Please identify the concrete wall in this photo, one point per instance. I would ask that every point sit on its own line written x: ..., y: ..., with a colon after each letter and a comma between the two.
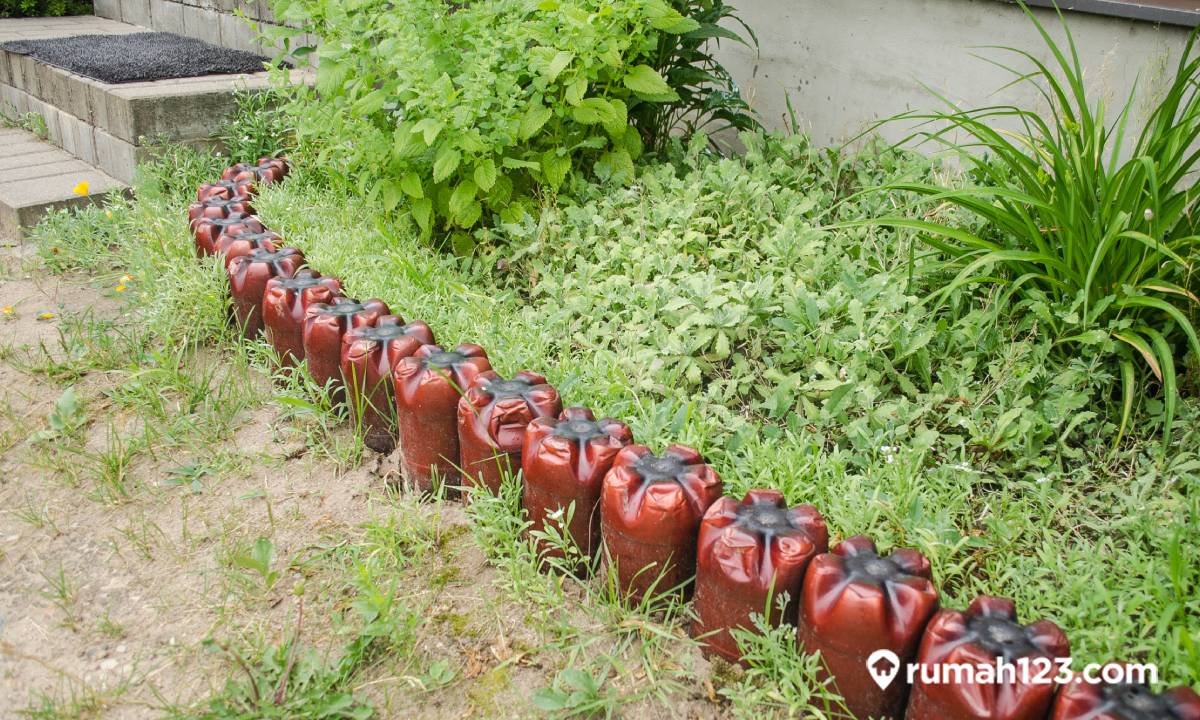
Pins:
x: 213, y: 21
x: 846, y: 63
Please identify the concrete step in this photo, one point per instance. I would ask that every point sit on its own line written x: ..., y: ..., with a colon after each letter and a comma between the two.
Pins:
x: 36, y: 177
x: 112, y: 126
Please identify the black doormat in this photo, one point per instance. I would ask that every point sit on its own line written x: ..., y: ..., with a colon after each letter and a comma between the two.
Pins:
x: 137, y: 57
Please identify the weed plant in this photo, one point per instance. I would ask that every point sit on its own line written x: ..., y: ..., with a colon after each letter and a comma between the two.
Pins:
x: 1088, y: 229
x: 463, y: 113
x: 713, y: 304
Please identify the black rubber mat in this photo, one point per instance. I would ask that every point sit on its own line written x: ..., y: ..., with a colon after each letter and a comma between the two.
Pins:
x: 137, y: 57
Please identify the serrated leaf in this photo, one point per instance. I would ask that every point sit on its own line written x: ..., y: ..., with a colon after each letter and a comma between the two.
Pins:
x: 445, y: 163
x: 370, y: 103
x: 411, y: 185
x: 534, y: 118
x: 485, y: 174
x: 615, y: 166
x: 422, y: 211
x: 389, y: 193
x: 407, y: 141
x: 673, y: 22
x: 632, y: 141
x: 559, y: 63
x: 593, y: 111
x: 469, y: 214
x: 647, y: 83
x: 429, y: 128
x: 462, y: 196
x: 618, y: 122
x: 555, y: 168
x: 513, y: 163
x: 576, y: 91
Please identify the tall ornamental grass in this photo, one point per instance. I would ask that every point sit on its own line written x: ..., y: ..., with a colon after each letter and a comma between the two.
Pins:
x: 1091, y: 229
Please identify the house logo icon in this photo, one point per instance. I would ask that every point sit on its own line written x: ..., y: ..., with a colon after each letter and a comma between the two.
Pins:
x: 883, y: 666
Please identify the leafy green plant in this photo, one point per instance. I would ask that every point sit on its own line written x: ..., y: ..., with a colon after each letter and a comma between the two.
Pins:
x: 65, y: 420
x: 462, y: 113
x: 1091, y: 235
x: 261, y: 127
x: 576, y: 693
x: 285, y: 681
x: 709, y: 98
x: 259, y: 560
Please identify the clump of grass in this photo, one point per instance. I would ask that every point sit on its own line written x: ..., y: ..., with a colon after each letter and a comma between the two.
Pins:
x: 779, y: 678
x: 1092, y: 237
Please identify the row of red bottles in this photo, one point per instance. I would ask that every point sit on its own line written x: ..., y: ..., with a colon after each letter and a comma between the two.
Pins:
x: 662, y: 519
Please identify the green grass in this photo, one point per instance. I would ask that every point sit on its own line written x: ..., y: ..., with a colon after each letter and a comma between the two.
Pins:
x: 818, y: 372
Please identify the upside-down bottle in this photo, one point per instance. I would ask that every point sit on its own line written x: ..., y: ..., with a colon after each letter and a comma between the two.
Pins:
x: 1083, y: 699
x: 748, y: 554
x: 218, y: 207
x: 241, y: 240
x: 650, y: 512
x: 369, y: 356
x: 428, y: 386
x: 987, y: 634
x: 285, y: 304
x: 248, y: 277
x: 266, y: 171
x: 564, y: 461
x: 492, y: 418
x: 206, y: 230
x: 227, y: 189
x: 855, y: 602
x: 324, y: 326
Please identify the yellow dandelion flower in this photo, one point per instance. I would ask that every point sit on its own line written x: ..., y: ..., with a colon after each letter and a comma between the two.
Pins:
x: 7, y: 309
x: 46, y: 316
x: 120, y: 288
x: 83, y: 188
x: 108, y: 214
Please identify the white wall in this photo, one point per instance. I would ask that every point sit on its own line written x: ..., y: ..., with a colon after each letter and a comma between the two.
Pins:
x: 845, y: 63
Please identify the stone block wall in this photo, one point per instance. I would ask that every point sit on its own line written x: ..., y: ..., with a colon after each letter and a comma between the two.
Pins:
x: 214, y: 21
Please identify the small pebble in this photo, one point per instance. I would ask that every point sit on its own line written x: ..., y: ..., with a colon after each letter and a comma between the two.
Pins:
x: 108, y: 664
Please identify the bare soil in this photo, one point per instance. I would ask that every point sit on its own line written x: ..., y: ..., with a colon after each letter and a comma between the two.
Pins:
x: 106, y: 603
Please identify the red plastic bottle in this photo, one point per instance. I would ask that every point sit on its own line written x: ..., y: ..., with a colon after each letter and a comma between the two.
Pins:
x: 227, y: 189
x: 1082, y: 700
x: 856, y: 602
x: 650, y: 513
x: 219, y: 208
x: 248, y: 277
x: 492, y: 418
x: 987, y: 631
x: 748, y: 554
x: 369, y: 356
x: 206, y: 230
x: 242, y: 240
x: 564, y: 460
x: 266, y: 171
x: 428, y: 386
x: 324, y: 326
x: 285, y: 304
